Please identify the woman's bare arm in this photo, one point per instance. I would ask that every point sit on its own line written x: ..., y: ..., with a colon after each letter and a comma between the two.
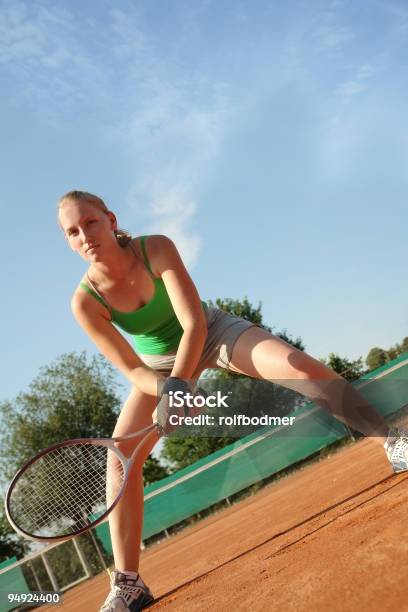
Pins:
x: 166, y: 262
x: 94, y: 319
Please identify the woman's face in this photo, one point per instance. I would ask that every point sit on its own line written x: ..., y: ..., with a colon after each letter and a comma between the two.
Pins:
x: 88, y: 230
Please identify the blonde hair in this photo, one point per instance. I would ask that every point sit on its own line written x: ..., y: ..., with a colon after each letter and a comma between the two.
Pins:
x: 122, y: 236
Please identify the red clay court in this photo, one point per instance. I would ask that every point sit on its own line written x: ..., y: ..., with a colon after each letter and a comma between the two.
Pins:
x: 332, y: 536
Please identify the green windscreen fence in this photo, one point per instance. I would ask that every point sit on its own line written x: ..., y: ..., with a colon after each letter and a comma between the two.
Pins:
x: 261, y: 454
x: 12, y: 581
x: 232, y: 469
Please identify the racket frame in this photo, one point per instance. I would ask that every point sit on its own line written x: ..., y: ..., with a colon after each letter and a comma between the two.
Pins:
x: 109, y: 443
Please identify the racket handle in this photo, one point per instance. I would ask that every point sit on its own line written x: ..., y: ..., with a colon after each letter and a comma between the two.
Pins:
x: 164, y: 411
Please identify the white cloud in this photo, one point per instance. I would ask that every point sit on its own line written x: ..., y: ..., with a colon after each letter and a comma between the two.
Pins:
x: 131, y: 41
x: 398, y: 13
x: 330, y: 31
x: 172, y: 123
x: 346, y: 128
x: 175, y: 126
x: 350, y: 88
x: 365, y: 71
x: 335, y: 4
x: 172, y: 212
x: 25, y: 36
x: 177, y: 144
x: 43, y: 55
x: 359, y: 83
x: 334, y: 37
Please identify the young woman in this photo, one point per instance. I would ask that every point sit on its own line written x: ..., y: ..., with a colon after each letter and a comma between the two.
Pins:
x: 142, y: 286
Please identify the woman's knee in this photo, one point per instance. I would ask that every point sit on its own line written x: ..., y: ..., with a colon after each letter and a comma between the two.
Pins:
x: 141, y: 446
x: 136, y: 395
x: 136, y: 413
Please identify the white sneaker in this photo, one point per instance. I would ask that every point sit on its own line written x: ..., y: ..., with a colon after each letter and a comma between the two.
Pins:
x: 396, y: 448
x: 127, y: 594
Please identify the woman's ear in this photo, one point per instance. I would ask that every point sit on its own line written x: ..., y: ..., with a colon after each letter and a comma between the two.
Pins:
x: 113, y: 221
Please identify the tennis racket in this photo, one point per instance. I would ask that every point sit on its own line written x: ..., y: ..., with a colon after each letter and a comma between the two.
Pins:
x: 71, y: 486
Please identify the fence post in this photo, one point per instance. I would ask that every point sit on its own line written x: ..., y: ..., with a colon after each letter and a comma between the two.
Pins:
x: 50, y: 573
x: 82, y: 558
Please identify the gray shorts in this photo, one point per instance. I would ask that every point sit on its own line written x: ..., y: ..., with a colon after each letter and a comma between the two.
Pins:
x: 223, y: 331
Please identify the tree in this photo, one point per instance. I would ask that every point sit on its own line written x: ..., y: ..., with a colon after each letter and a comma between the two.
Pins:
x: 397, y: 349
x: 245, y: 310
x: 393, y: 352
x: 297, y: 343
x: 350, y: 370
x: 153, y: 470
x: 376, y: 358
x: 71, y: 398
x: 182, y: 451
x: 241, y: 308
x: 10, y: 544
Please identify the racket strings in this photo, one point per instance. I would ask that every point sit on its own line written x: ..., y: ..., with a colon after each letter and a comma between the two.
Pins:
x: 65, y: 489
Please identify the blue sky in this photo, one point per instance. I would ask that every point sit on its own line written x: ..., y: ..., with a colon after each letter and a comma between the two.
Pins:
x: 268, y: 139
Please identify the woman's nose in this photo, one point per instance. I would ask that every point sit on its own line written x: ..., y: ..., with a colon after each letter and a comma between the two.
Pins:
x: 84, y: 234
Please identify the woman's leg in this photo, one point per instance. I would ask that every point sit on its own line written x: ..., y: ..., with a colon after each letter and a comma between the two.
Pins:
x: 259, y: 354
x: 126, y: 520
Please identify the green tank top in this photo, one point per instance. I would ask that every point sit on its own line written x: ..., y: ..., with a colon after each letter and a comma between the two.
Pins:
x: 154, y: 327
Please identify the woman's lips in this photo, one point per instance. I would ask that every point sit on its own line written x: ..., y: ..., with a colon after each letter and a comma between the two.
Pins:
x: 92, y: 248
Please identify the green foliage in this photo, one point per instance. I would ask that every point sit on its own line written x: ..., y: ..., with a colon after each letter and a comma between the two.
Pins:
x: 241, y: 308
x: 10, y: 544
x: 297, y: 342
x: 181, y: 452
x: 394, y: 351
x: 153, y: 470
x: 71, y: 398
x: 378, y: 357
x: 245, y: 310
x: 350, y: 370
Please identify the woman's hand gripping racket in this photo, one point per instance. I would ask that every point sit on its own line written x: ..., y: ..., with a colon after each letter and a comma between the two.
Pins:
x: 71, y: 486
x: 184, y: 405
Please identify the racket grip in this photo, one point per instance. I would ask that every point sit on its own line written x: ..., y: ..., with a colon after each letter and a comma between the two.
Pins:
x: 173, y: 383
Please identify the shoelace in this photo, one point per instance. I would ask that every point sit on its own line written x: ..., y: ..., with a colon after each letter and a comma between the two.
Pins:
x: 113, y: 593
x: 396, y: 450
x: 121, y: 590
